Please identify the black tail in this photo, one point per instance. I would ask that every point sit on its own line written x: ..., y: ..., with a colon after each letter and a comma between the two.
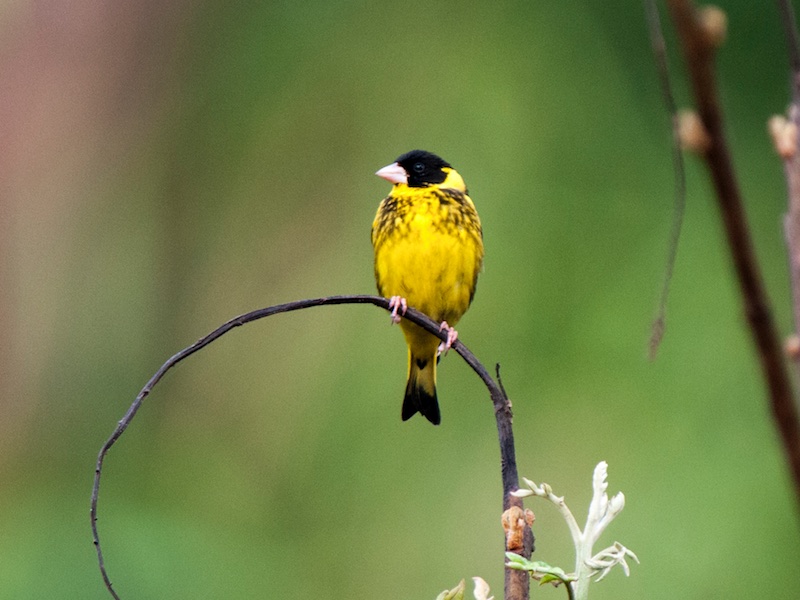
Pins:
x: 419, y: 400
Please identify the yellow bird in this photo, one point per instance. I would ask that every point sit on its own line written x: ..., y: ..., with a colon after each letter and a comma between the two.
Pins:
x: 428, y: 252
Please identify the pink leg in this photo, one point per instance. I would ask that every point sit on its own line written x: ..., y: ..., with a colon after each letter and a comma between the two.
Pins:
x: 452, y: 336
x: 397, y: 304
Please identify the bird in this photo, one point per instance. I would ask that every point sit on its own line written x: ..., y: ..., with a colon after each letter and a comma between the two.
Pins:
x: 428, y: 245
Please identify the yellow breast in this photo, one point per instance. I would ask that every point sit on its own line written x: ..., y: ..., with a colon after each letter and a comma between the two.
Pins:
x: 429, y: 248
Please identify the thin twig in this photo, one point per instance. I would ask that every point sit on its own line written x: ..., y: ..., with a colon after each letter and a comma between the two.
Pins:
x: 516, y: 582
x: 698, y: 48
x: 679, y: 203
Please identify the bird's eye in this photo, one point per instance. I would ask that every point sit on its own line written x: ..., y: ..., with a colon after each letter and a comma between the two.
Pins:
x: 418, y: 168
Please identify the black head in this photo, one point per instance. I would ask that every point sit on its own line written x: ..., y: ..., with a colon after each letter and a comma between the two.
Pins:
x: 423, y: 168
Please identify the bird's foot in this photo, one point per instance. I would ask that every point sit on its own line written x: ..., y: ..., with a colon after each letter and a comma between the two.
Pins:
x: 399, y: 305
x: 452, y: 336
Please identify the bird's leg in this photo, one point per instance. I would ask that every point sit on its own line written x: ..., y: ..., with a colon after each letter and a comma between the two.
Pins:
x: 397, y: 304
x: 452, y: 336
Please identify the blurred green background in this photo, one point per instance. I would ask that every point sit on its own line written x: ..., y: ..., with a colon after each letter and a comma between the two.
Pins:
x: 166, y: 166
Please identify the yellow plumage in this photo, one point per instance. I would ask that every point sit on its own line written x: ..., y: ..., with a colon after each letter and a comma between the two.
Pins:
x: 428, y: 251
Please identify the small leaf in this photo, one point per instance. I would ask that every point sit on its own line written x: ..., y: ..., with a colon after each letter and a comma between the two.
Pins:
x: 516, y: 558
x: 457, y: 593
x: 549, y: 574
x: 602, y: 562
x: 550, y: 578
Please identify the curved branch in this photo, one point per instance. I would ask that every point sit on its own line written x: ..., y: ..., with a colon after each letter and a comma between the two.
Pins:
x: 517, y: 582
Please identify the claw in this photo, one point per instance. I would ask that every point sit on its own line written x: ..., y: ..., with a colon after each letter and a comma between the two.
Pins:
x: 397, y: 304
x: 452, y: 336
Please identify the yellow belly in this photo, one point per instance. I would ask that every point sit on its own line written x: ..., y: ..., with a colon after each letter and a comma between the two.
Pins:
x: 429, y: 250
x: 435, y: 272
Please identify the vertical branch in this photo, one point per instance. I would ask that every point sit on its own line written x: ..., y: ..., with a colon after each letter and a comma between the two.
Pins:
x: 517, y: 583
x: 792, y: 42
x: 699, y: 39
x: 785, y: 137
x: 786, y: 131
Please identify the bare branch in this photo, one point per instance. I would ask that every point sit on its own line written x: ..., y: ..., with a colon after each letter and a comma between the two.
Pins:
x: 785, y: 134
x: 792, y: 42
x: 516, y: 583
x: 699, y: 36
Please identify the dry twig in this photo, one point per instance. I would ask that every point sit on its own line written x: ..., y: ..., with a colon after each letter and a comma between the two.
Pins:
x: 679, y: 203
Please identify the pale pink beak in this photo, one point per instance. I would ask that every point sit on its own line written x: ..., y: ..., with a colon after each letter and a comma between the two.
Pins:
x: 393, y: 173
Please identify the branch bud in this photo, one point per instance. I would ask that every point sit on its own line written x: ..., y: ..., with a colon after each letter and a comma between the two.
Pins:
x: 792, y: 347
x: 784, y: 136
x: 714, y: 23
x: 481, y: 589
x: 692, y: 133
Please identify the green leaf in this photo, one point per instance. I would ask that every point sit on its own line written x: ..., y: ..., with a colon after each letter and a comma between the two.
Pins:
x: 539, y: 570
x: 457, y: 593
x: 516, y: 558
